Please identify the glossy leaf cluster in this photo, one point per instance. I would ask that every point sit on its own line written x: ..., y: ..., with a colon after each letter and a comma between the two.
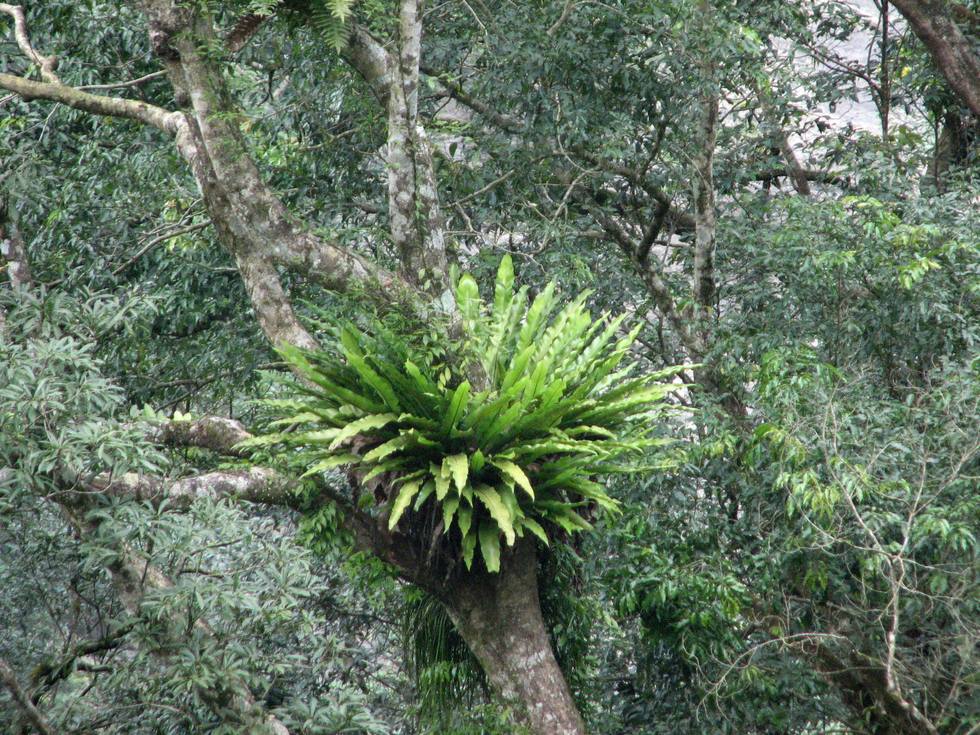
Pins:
x: 559, y: 406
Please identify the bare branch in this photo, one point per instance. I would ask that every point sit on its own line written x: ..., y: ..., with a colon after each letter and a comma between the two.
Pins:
x: 253, y: 485
x: 49, y: 673
x: 566, y: 11
x: 798, y: 175
x: 506, y: 123
x: 131, y: 83
x: 653, y: 278
x: 217, y: 433
x: 158, y: 117
x: 53, y: 90
x: 23, y: 702
x: 704, y: 205
x: 46, y: 64
x: 156, y: 241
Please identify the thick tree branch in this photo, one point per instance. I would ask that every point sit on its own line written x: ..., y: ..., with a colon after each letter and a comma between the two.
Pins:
x: 368, y: 57
x: 46, y: 64
x: 49, y: 673
x: 949, y: 47
x: 158, y: 117
x: 23, y: 702
x: 216, y: 433
x: 253, y: 485
x: 416, y: 222
x: 54, y: 90
x: 250, y: 220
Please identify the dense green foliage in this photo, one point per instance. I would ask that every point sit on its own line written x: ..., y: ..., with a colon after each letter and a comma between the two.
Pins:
x: 814, y: 533
x: 521, y: 454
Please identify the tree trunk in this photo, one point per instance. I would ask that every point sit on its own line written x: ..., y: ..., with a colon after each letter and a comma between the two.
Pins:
x: 499, y: 617
x: 949, y: 46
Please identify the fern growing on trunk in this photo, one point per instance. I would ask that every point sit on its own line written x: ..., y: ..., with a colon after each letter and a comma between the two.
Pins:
x: 559, y: 405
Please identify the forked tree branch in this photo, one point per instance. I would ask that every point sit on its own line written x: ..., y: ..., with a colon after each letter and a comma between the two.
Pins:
x: 23, y: 702
x: 46, y: 64
x: 157, y: 117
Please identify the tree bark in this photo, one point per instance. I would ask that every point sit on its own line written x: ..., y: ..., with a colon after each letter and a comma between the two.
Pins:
x: 499, y: 617
x: 949, y: 47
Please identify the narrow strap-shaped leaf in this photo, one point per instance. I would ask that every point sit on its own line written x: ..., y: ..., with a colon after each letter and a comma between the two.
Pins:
x: 357, y: 360
x: 405, y: 495
x: 498, y: 510
x: 534, y: 527
x: 490, y: 546
x: 296, y: 358
x: 542, y: 305
x: 457, y: 406
x: 423, y: 495
x: 459, y: 468
x: 375, y: 421
x: 504, y: 286
x: 464, y: 518
x: 517, y: 369
x: 442, y: 480
x: 515, y: 473
x: 389, y: 447
x: 468, y: 547
x: 468, y: 299
x: 448, y: 511
x: 389, y: 465
x: 425, y: 384
x: 330, y: 463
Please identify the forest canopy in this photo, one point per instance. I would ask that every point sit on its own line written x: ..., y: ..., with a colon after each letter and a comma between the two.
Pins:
x: 554, y: 367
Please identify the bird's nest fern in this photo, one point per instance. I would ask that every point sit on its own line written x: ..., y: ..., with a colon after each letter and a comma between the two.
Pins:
x: 559, y: 405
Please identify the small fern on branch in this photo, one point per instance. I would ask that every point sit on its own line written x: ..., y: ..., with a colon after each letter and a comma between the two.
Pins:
x: 329, y: 19
x: 560, y: 406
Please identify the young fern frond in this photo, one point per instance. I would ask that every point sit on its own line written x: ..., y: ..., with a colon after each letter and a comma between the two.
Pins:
x: 561, y: 407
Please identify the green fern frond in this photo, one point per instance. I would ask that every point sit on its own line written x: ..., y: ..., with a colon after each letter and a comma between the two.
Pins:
x: 329, y: 19
x: 561, y: 408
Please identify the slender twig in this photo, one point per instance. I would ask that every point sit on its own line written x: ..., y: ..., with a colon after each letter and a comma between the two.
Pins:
x: 130, y: 83
x: 156, y: 241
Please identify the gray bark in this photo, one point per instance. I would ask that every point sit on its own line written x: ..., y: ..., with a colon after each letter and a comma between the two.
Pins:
x: 499, y: 617
x: 30, y: 713
x: 949, y: 46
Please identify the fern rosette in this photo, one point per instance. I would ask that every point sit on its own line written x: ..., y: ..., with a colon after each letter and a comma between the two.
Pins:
x: 559, y: 406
